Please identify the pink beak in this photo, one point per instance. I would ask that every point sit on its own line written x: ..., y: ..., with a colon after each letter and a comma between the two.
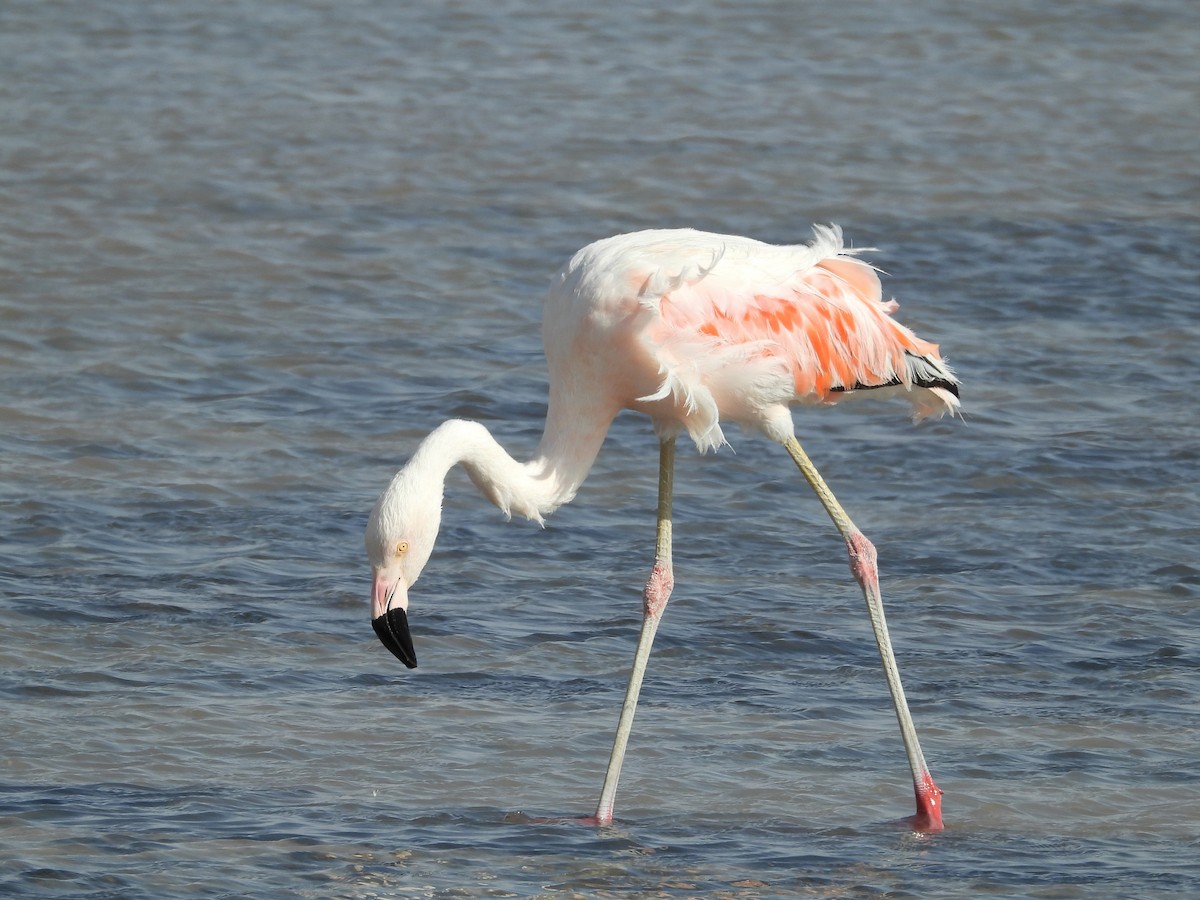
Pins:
x: 389, y: 600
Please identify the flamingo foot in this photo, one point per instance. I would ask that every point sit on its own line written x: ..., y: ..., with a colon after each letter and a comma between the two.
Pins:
x: 928, y: 818
x: 593, y: 821
x: 587, y: 821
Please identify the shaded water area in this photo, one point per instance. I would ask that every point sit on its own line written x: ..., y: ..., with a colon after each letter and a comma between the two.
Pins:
x: 250, y: 253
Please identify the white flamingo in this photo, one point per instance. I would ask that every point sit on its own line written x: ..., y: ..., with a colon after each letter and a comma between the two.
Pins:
x: 689, y: 328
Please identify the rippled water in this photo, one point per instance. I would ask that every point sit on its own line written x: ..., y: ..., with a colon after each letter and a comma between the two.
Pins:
x: 251, y: 252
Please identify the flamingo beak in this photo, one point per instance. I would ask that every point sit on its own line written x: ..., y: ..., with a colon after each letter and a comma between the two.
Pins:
x: 390, y: 620
x: 392, y: 629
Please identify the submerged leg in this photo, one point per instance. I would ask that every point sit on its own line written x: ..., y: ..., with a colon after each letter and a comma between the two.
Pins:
x: 862, y: 563
x: 654, y: 601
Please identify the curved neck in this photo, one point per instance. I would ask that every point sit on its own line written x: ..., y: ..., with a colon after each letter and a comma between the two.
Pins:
x: 533, y: 489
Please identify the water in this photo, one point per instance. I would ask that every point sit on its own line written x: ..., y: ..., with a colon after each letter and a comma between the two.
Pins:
x: 251, y: 252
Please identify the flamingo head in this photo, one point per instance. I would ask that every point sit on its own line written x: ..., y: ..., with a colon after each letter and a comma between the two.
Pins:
x: 400, y: 536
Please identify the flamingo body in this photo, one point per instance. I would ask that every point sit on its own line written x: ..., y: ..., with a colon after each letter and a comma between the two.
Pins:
x: 689, y: 328
x: 692, y: 328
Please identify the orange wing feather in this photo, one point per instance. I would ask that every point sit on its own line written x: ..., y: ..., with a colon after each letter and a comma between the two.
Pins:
x: 827, y: 323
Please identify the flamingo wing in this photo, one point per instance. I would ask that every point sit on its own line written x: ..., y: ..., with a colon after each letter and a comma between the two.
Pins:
x: 740, y: 329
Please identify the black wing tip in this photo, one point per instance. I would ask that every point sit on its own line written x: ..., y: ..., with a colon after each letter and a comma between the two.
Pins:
x: 950, y: 386
x: 918, y: 378
x: 930, y: 373
x: 945, y: 385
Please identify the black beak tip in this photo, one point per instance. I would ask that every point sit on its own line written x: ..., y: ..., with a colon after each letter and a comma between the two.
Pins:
x: 392, y: 630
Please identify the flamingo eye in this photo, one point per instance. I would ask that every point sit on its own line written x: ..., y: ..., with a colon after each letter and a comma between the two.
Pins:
x: 402, y: 548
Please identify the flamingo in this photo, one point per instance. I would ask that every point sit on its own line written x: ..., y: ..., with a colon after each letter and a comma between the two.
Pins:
x: 690, y: 328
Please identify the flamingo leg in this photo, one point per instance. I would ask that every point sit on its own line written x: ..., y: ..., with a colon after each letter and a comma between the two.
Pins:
x: 928, y: 817
x: 654, y: 601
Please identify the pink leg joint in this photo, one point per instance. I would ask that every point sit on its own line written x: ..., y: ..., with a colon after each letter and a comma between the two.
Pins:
x: 658, y: 590
x: 862, y: 559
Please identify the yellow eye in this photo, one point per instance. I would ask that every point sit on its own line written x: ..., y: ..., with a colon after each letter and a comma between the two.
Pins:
x: 402, y: 548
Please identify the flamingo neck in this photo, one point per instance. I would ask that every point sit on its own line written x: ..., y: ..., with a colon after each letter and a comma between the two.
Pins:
x: 532, y: 489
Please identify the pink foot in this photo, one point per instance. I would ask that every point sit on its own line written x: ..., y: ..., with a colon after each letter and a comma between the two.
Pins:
x: 588, y: 821
x: 593, y: 821
x: 928, y: 818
